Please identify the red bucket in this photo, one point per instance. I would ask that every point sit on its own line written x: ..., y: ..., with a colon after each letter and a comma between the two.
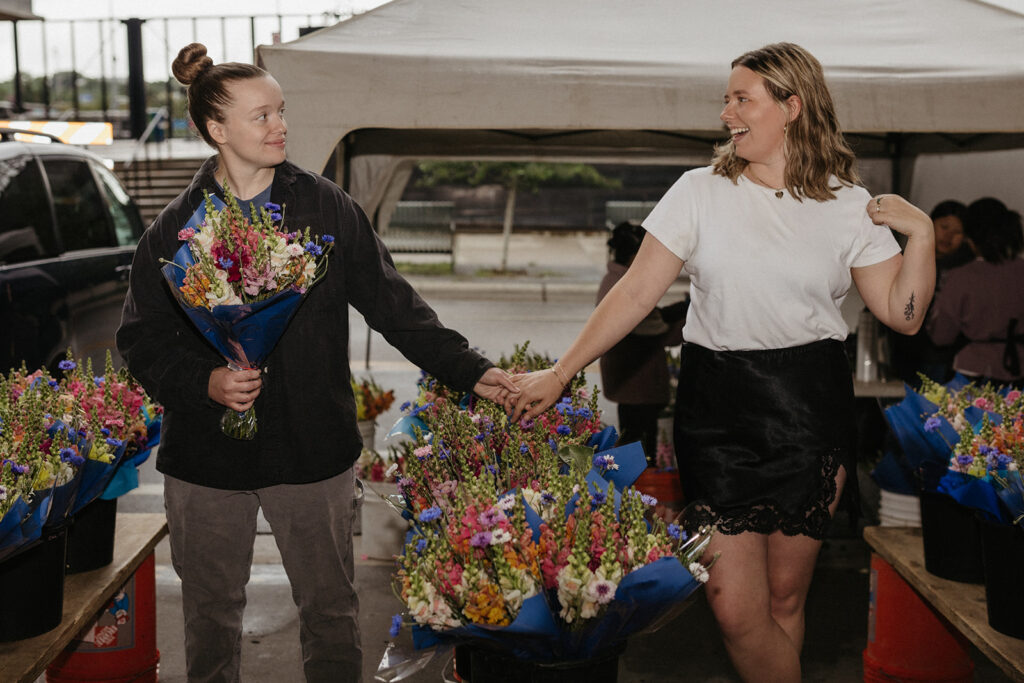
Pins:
x: 120, y: 646
x: 907, y: 641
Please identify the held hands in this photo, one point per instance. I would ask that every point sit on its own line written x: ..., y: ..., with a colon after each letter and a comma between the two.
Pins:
x: 235, y: 389
x: 495, y: 385
x: 900, y: 215
x: 538, y: 391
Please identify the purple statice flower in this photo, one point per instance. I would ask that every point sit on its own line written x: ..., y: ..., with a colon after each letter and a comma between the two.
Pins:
x: 405, y: 406
x: 490, y: 517
x: 675, y: 531
x: 421, y: 545
x: 606, y: 462
x: 600, y: 497
x: 67, y: 365
x: 650, y: 501
x: 564, y: 430
x: 480, y: 437
x: 480, y: 539
x: 54, y: 384
x: 328, y: 239
x: 271, y: 206
x: 98, y: 381
x: 116, y: 443
x: 314, y: 248
x: 554, y: 446
x: 443, y: 454
x: 965, y: 460
x: 985, y: 449
x: 932, y: 423
x: 547, y: 498
x: 493, y: 469
x: 396, y: 625
x: 275, y: 216
x: 523, y: 448
x: 584, y: 412
x: 419, y: 409
x: 404, y: 484
x: 104, y: 431
x: 430, y: 514
x: 224, y: 262
x: 526, y: 424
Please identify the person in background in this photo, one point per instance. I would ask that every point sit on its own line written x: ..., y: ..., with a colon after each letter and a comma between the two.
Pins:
x: 980, y: 306
x: 298, y: 468
x: 634, y: 372
x: 771, y: 235
x: 918, y: 353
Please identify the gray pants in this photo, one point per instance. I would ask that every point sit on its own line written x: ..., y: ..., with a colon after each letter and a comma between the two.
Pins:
x: 212, y: 532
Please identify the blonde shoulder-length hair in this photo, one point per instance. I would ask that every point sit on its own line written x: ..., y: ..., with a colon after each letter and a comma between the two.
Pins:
x: 814, y: 145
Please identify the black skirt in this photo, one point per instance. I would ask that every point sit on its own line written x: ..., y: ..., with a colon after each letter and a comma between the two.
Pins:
x: 760, y: 436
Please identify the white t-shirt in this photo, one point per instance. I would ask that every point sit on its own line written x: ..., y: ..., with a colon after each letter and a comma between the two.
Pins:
x: 765, y: 273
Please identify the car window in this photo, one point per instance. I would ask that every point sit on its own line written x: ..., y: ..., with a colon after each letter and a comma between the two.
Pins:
x: 26, y: 226
x: 127, y: 223
x: 82, y: 219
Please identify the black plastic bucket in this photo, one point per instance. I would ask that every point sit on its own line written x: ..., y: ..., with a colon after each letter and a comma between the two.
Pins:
x: 952, y: 541
x: 91, y: 536
x: 33, y: 581
x: 1003, y: 552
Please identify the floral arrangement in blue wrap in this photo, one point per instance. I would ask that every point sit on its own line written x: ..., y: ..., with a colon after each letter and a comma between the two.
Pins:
x: 62, y: 443
x: 240, y: 280
x: 978, y: 432
x: 529, y: 536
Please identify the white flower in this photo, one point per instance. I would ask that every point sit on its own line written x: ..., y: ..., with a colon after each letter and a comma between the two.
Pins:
x: 294, y: 250
x: 499, y: 536
x: 699, y: 572
x: 507, y: 502
x: 600, y: 591
x: 390, y: 472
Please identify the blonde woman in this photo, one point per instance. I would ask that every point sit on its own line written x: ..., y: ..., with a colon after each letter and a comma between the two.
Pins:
x: 771, y: 235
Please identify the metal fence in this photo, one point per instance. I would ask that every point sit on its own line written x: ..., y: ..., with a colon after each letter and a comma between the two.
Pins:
x: 71, y: 54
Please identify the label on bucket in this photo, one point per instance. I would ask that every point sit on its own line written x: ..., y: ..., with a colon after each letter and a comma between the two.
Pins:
x: 114, y: 628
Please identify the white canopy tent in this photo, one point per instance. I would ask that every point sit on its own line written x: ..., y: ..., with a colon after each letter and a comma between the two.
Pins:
x: 609, y: 80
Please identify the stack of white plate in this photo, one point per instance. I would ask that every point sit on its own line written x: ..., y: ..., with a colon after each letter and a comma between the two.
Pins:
x: 899, y: 509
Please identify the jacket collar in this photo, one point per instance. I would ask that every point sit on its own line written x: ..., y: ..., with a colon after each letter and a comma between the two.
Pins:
x: 286, y: 174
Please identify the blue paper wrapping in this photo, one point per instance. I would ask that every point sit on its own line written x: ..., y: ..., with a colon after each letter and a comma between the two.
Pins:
x: 23, y: 524
x: 975, y: 493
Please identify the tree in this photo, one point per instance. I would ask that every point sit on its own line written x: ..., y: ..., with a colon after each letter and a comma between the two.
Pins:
x: 513, y: 176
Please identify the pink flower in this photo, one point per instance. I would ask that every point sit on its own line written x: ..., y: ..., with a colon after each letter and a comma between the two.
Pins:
x: 185, y: 234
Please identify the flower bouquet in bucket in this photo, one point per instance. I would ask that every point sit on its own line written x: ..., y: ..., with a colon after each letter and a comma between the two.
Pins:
x: 528, y: 540
x: 240, y: 280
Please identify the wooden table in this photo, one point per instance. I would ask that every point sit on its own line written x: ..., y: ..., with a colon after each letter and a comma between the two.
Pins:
x: 85, y: 594
x: 962, y: 604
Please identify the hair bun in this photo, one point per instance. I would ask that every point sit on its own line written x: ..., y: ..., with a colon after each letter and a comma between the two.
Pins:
x: 191, y: 63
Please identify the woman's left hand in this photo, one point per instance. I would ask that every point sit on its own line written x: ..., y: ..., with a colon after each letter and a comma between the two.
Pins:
x: 900, y: 215
x: 495, y: 385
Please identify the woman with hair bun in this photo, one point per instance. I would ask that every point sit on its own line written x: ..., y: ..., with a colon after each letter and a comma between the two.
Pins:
x: 772, y: 235
x: 980, y: 306
x: 298, y: 468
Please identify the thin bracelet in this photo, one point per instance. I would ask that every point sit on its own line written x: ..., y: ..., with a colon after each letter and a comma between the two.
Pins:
x: 560, y: 374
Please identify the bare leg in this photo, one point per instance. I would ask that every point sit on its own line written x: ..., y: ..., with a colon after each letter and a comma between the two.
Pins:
x: 757, y: 592
x: 791, y: 562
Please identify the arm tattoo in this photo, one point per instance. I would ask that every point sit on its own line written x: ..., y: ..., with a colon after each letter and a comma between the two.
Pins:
x: 908, y: 310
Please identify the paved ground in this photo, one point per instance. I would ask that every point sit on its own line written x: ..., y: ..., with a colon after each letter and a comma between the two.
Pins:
x: 494, y: 313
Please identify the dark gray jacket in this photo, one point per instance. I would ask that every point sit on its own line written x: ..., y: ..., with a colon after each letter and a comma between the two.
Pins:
x: 306, y: 411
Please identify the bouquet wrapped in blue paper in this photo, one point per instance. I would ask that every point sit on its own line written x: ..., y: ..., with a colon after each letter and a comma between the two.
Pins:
x: 62, y: 442
x: 983, y: 432
x: 528, y: 536
x: 240, y: 278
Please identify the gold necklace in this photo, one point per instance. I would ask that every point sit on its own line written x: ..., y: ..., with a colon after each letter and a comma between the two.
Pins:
x: 779, y: 193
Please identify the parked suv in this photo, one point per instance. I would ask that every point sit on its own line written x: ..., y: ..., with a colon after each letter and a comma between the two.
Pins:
x: 68, y: 231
